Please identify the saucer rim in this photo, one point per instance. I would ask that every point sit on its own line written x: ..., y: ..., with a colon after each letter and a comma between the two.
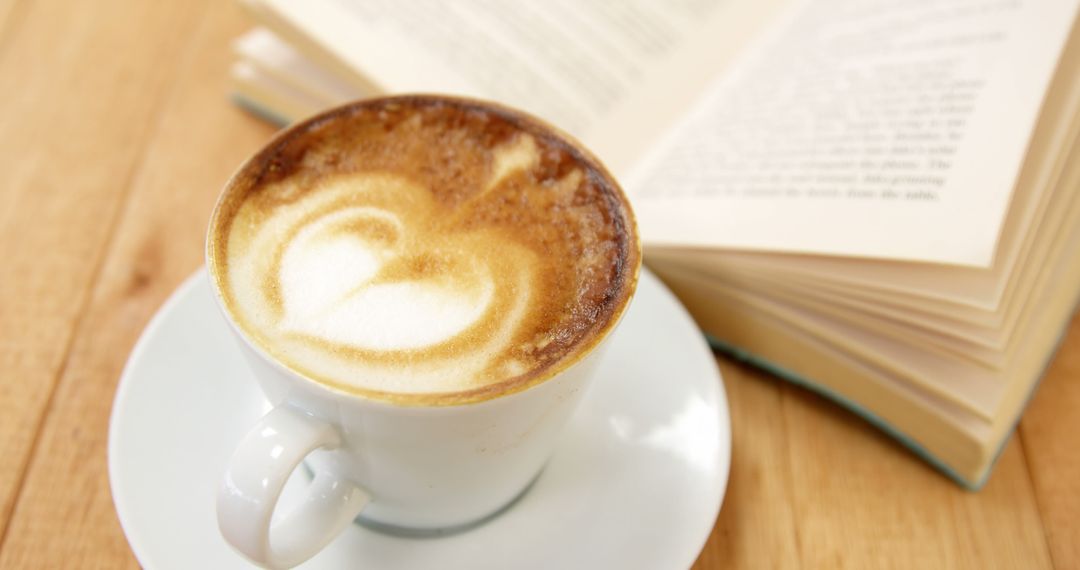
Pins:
x: 120, y: 502
x: 718, y: 396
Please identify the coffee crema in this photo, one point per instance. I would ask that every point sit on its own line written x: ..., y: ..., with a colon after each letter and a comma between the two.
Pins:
x: 425, y: 249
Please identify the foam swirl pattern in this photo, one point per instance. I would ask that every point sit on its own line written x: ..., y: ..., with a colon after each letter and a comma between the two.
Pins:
x: 423, y: 246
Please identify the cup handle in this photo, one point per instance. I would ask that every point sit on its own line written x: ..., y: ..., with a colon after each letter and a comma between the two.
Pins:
x: 257, y: 473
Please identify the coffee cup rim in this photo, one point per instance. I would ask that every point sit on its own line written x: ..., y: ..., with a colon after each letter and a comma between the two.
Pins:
x: 484, y: 393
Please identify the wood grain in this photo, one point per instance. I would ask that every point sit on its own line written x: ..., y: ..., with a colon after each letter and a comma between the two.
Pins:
x: 115, y: 136
x: 8, y: 9
x: 853, y: 481
x: 1050, y: 432
x: 757, y: 526
x: 73, y: 124
x: 198, y: 141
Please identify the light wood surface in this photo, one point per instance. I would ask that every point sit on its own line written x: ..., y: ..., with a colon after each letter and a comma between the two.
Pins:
x: 115, y: 136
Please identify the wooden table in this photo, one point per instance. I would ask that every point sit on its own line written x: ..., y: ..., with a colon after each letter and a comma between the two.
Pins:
x: 115, y: 136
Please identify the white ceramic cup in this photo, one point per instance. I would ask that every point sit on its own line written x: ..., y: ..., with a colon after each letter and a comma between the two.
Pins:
x: 415, y: 468
x: 410, y: 468
x: 406, y: 467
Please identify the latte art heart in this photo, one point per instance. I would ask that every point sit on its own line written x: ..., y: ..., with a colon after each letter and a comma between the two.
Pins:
x: 329, y: 291
x: 320, y: 268
x: 367, y: 277
x: 423, y: 247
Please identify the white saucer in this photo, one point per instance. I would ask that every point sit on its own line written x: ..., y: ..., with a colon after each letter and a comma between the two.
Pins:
x: 636, y: 483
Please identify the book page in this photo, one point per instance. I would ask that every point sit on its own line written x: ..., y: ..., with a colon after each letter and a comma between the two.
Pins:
x: 892, y: 129
x: 1043, y: 190
x: 268, y: 97
x: 614, y: 73
x: 275, y: 57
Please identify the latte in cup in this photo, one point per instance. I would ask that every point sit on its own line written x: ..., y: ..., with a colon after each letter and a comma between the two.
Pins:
x: 424, y: 250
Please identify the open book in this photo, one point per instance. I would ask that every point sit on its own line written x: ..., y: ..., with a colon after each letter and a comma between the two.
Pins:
x: 876, y: 200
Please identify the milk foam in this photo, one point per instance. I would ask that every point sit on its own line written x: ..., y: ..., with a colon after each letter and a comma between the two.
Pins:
x: 327, y: 290
x: 368, y: 280
x: 422, y: 248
